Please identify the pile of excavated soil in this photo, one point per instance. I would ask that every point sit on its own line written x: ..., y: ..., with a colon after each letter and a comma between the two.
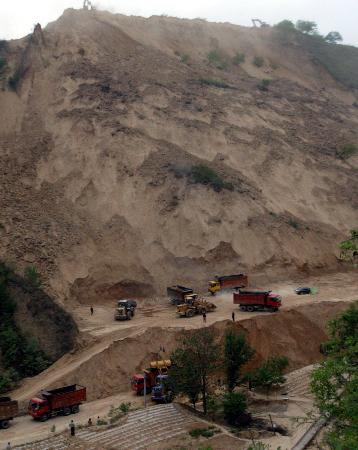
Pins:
x: 107, y: 121
x: 106, y: 368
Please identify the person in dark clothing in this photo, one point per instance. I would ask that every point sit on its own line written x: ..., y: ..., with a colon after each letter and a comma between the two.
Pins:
x: 92, y: 310
x: 72, y: 428
x: 204, y: 317
x: 233, y: 316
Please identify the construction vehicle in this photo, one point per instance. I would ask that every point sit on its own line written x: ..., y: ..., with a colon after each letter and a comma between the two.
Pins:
x: 163, y: 390
x: 8, y: 410
x: 228, y: 282
x: 260, y: 22
x: 177, y: 294
x: 62, y: 401
x: 194, y: 305
x: 125, y: 309
x: 149, y: 375
x: 257, y: 301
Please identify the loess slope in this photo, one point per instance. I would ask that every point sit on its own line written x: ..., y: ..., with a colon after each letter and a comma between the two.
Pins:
x: 105, y: 123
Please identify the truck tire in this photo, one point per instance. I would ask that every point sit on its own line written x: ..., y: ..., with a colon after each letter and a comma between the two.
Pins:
x: 75, y: 409
x: 4, y: 424
x: 242, y: 308
x: 66, y: 411
x: 190, y: 313
x: 250, y: 308
x: 44, y: 418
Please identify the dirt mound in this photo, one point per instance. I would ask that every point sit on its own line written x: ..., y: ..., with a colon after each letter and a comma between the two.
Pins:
x: 106, y: 369
x: 109, y: 118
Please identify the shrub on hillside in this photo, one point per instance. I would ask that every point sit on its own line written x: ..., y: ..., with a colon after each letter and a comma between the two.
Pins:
x: 347, y: 151
x: 235, y: 404
x: 258, y: 61
x: 217, y: 60
x: 264, y: 85
x: 238, y: 59
x: 202, y: 174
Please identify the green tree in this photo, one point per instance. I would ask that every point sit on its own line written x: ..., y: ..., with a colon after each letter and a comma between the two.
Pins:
x: 286, y: 25
x: 234, y: 404
x: 333, y: 37
x: 306, y: 27
x: 237, y: 353
x: 335, y: 382
x: 196, y: 358
x: 270, y: 373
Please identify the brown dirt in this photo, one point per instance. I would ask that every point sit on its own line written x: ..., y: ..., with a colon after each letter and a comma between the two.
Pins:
x: 105, y: 107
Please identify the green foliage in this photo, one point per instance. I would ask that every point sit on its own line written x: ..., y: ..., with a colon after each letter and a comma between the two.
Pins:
x: 217, y: 60
x: 335, y: 382
x: 286, y: 25
x: 264, y: 85
x: 293, y: 223
x: 341, y: 61
x: 258, y: 61
x: 101, y: 422
x: 20, y: 356
x: 238, y: 59
x: 347, y: 151
x: 116, y: 413
x: 201, y: 174
x: 270, y: 373
x: 205, y: 432
x: 32, y: 276
x: 333, y: 37
x: 237, y: 353
x: 306, y: 26
x: 184, y: 58
x: 2, y: 64
x: 235, y: 404
x: 215, y: 83
x: 196, y: 358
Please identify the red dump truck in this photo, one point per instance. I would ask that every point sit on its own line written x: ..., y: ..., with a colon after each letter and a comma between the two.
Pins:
x: 156, y: 368
x: 8, y: 410
x: 177, y: 294
x: 257, y: 301
x: 228, y: 282
x: 62, y: 401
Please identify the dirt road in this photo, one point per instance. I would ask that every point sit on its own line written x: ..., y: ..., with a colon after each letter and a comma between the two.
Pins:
x: 100, y: 332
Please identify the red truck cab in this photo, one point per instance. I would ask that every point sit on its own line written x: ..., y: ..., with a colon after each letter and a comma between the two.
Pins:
x: 64, y: 400
x: 257, y: 301
x: 137, y: 381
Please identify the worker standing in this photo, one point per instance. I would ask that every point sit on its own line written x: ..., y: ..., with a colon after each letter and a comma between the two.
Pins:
x: 72, y: 428
x: 8, y: 447
x: 92, y: 310
x: 204, y: 316
x: 233, y: 316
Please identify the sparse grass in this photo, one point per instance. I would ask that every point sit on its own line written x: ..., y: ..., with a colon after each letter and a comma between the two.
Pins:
x: 205, y: 432
x: 184, y: 58
x: 32, y: 276
x: 217, y: 60
x: 258, y: 61
x: 117, y: 413
x: 215, y: 83
x: 201, y: 174
x: 347, y: 151
x: 293, y: 223
x: 264, y: 84
x: 238, y: 59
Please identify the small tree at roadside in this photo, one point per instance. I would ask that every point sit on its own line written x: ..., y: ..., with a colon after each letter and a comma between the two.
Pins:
x: 237, y: 353
x: 196, y: 358
x: 234, y: 404
x: 270, y: 373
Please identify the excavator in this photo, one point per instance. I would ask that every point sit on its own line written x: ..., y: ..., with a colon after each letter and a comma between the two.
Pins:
x: 87, y: 5
x: 260, y: 23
